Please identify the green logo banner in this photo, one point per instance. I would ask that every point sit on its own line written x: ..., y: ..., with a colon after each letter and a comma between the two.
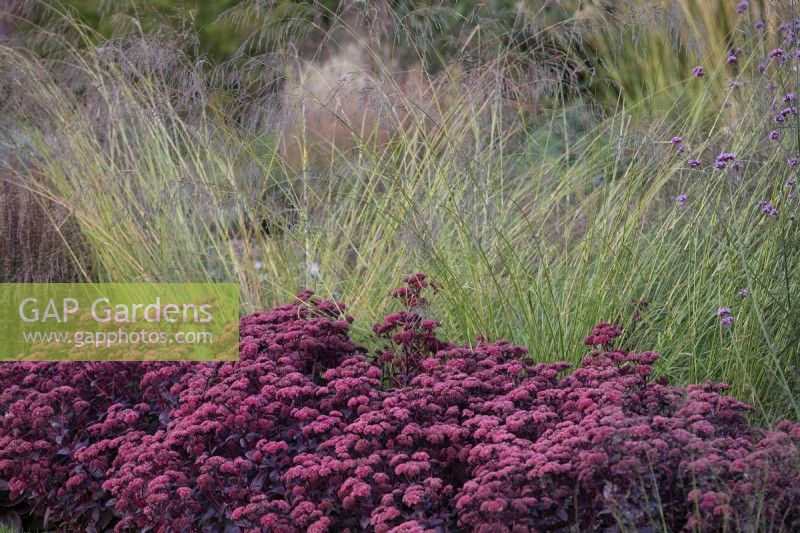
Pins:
x: 119, y: 321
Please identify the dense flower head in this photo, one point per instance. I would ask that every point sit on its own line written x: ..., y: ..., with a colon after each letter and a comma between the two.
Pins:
x: 774, y: 135
x: 742, y: 7
x: 681, y: 199
x: 694, y: 163
x: 698, y: 72
x: 308, y: 432
x: 603, y: 334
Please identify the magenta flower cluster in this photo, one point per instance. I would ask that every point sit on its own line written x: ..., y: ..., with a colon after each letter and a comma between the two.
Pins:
x: 309, y: 432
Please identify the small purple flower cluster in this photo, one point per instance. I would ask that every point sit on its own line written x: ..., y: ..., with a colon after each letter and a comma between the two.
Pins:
x: 780, y: 117
x: 733, y: 55
x: 742, y: 7
x: 767, y: 208
x: 678, y: 141
x: 776, y: 54
x: 725, y: 316
x: 306, y: 432
x: 722, y: 160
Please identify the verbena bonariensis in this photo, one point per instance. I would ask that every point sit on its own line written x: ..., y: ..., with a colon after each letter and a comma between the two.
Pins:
x: 306, y: 433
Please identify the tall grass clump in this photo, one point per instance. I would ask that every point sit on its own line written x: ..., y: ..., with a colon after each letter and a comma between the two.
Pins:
x: 538, y: 207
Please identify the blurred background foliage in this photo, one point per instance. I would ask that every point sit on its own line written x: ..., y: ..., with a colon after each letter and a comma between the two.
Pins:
x: 611, y: 51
